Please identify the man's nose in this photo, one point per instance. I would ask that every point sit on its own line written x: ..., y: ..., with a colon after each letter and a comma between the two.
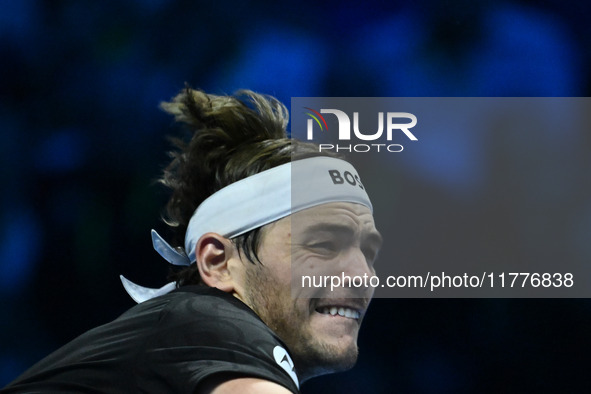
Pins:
x: 354, y: 263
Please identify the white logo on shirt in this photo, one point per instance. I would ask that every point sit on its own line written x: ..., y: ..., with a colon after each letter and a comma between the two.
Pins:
x: 284, y: 361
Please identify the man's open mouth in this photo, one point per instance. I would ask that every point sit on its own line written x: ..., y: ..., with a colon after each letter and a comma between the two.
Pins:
x: 339, y: 310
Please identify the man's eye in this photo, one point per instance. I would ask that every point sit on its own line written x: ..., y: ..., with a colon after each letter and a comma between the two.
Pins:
x: 371, y: 255
x: 326, y: 245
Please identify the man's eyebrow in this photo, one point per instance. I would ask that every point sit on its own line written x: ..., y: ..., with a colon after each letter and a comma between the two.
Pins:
x: 374, y: 237
x: 331, y: 228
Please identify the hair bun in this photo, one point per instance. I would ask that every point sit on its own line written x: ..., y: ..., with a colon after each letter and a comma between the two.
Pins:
x: 229, y: 121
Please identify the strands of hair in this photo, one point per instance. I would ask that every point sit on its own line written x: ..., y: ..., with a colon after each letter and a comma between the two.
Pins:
x: 229, y: 138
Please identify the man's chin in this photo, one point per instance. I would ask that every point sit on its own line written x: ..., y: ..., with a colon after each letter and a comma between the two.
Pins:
x: 331, y: 345
x: 328, y: 358
x: 343, y: 359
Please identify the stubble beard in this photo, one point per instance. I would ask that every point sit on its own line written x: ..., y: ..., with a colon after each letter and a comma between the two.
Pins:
x: 274, y: 304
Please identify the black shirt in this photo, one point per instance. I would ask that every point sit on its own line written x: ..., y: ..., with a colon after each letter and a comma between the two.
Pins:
x: 167, y: 344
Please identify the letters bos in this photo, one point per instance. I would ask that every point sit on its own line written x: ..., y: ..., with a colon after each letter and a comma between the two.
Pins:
x: 340, y: 179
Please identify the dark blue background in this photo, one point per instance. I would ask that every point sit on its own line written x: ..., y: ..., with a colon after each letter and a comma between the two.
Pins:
x: 81, y: 141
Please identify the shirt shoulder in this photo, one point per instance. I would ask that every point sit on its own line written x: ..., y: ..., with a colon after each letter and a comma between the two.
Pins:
x: 203, y: 332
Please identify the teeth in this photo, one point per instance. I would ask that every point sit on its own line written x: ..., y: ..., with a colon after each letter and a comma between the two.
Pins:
x: 341, y: 311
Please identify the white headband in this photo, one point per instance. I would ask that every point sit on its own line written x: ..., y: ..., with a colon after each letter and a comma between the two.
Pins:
x: 259, y: 200
x: 266, y: 197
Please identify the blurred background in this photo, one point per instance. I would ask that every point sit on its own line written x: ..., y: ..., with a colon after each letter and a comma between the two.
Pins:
x: 82, y: 140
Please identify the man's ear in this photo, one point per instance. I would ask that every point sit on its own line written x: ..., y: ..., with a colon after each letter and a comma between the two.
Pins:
x: 213, y: 253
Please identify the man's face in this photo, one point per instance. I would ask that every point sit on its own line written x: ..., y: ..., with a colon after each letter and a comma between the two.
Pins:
x: 318, y: 325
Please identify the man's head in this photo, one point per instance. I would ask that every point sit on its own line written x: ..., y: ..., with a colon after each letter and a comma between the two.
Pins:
x: 232, y: 140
